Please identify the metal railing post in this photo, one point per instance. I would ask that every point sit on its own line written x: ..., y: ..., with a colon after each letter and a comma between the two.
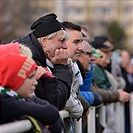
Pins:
x: 77, y: 126
x: 91, y: 128
x: 102, y: 115
x: 120, y: 120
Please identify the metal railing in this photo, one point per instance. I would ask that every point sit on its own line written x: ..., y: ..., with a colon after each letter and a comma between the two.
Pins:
x: 16, y: 127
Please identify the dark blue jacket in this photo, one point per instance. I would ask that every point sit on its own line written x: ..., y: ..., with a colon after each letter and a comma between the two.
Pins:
x: 85, y: 88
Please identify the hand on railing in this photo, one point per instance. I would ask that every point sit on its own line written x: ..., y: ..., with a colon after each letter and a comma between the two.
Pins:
x: 84, y: 114
x: 123, y: 96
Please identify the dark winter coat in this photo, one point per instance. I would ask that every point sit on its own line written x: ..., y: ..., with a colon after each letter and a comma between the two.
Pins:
x: 13, y: 108
x: 58, y: 91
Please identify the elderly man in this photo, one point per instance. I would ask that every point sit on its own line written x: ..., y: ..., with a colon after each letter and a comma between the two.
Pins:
x: 86, y: 68
x: 108, y: 96
x: 47, y: 42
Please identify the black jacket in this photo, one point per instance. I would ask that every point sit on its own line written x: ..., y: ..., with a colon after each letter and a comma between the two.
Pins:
x: 128, y: 87
x: 13, y: 108
x: 57, y: 91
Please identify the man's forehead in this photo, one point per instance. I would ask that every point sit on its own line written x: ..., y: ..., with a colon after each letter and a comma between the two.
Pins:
x: 60, y: 32
x: 108, y: 43
x: 74, y: 35
x: 74, y: 32
x: 77, y: 39
x: 86, y: 45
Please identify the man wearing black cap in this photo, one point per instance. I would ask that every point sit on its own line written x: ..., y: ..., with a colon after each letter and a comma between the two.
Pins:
x: 48, y: 46
x: 102, y: 80
x: 104, y: 47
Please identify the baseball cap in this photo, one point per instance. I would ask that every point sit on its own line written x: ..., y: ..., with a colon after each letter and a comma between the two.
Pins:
x: 103, y: 43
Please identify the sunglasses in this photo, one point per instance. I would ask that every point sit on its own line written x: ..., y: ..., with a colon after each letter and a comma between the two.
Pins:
x: 87, y: 53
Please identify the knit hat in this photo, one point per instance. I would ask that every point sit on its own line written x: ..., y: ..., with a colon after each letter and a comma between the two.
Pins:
x: 9, y: 48
x: 99, y: 42
x: 46, y: 25
x: 14, y: 70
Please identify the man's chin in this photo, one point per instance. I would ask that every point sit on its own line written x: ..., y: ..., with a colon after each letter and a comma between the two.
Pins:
x: 89, y: 69
x: 75, y: 59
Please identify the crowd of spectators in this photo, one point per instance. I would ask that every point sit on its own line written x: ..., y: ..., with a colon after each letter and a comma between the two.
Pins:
x: 59, y: 66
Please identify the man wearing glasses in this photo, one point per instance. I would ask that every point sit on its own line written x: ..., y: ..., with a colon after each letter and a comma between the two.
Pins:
x: 86, y: 67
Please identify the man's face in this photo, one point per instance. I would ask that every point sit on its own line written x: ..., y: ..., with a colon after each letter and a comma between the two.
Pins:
x: 108, y: 43
x: 105, y: 60
x: 125, y: 59
x: 74, y: 44
x: 58, y: 42
x: 85, y: 57
x: 85, y: 33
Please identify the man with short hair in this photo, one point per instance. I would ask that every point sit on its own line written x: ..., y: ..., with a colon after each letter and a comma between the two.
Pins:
x: 74, y: 44
x: 47, y: 42
x: 76, y: 101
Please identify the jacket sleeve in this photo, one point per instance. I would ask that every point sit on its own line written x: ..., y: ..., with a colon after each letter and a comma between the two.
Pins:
x: 84, y: 103
x: 37, y: 100
x: 108, y: 96
x: 88, y: 96
x: 100, y: 78
x: 45, y: 113
x: 47, y: 90
x: 64, y: 81
x: 55, y: 90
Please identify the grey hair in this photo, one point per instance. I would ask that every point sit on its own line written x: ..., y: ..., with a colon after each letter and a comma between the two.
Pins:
x: 52, y: 35
x: 64, y: 36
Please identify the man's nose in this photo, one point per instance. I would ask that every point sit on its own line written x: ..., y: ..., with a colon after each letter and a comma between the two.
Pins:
x: 80, y: 46
x: 108, y: 61
x: 64, y: 45
x: 93, y: 57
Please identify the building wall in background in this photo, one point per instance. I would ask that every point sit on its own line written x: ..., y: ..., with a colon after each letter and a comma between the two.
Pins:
x: 95, y: 14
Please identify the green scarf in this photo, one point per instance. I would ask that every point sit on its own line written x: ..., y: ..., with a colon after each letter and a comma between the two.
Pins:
x: 9, y: 92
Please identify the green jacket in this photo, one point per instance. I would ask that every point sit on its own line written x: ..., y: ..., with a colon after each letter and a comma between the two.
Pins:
x: 100, y: 78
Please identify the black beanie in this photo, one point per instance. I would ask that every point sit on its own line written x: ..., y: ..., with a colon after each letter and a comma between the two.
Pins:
x: 46, y: 25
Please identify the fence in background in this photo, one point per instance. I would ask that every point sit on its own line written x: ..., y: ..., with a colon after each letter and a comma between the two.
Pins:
x: 25, y: 125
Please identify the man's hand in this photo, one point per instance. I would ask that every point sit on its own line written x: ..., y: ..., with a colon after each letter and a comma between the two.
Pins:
x: 123, y: 96
x: 61, y: 57
x: 84, y: 115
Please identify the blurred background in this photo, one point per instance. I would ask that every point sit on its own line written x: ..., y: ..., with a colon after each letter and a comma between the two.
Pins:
x: 103, y: 17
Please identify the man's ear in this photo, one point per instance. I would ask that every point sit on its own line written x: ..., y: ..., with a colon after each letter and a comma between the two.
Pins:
x: 98, y: 51
x: 43, y: 41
